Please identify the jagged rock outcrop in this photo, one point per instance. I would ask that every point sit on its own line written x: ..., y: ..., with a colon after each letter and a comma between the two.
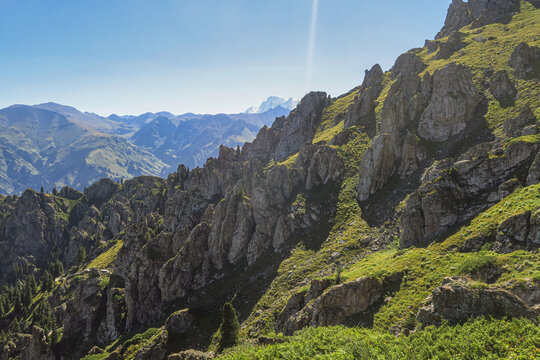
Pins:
x: 378, y: 164
x: 156, y: 349
x: 28, y: 347
x: 534, y: 172
x: 29, y: 232
x: 525, y: 60
x: 449, y: 197
x: 451, y: 46
x: 452, y: 106
x: 407, y: 64
x: 520, y: 231
x: 396, y: 148
x: 503, y: 89
x: 456, y: 301
x: 69, y: 193
x: 334, y: 306
x: 82, y: 310
x: 362, y: 112
x: 517, y: 126
x: 114, y: 323
x: 325, y: 165
x: 101, y: 191
x: 288, y: 134
x: 179, y: 322
x: 478, y: 13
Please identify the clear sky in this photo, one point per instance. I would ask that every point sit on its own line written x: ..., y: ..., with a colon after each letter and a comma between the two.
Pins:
x: 204, y: 56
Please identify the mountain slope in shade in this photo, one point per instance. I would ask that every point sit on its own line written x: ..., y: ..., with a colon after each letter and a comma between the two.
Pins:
x: 55, y: 145
x: 41, y: 147
x: 191, y: 139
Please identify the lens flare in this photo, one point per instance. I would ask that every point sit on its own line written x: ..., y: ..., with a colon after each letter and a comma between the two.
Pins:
x: 311, y: 45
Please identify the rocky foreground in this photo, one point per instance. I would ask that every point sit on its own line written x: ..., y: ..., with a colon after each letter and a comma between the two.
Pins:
x: 411, y: 201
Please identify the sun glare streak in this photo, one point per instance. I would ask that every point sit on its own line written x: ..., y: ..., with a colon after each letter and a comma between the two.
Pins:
x: 311, y: 45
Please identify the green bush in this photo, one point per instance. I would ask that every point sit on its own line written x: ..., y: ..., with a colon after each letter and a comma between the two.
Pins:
x: 478, y: 339
x: 476, y: 264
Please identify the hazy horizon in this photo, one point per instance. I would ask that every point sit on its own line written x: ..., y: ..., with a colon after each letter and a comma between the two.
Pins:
x: 204, y: 57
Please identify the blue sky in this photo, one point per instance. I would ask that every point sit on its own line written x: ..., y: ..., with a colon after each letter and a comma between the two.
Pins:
x: 205, y: 56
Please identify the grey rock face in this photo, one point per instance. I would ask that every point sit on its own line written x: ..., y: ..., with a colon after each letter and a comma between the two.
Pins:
x: 503, y: 89
x: 101, y: 191
x: 28, y: 347
x: 81, y: 312
x: 325, y: 166
x: 69, y: 193
x: 453, y: 104
x: 402, y: 105
x: 451, y: 46
x: 458, y: 16
x: 456, y: 302
x: 525, y: 60
x: 521, y: 231
x: 407, y: 64
x: 336, y: 305
x: 300, y: 126
x: 478, y: 13
x: 29, y: 230
x: 438, y: 205
x: 114, y: 323
x: 534, y: 171
x: 378, y: 164
x: 515, y: 127
x: 361, y: 113
x: 179, y: 322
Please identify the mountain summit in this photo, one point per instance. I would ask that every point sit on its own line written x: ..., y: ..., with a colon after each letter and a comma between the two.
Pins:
x: 272, y: 102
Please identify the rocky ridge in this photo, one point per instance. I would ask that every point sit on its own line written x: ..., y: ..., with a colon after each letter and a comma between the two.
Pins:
x: 417, y: 160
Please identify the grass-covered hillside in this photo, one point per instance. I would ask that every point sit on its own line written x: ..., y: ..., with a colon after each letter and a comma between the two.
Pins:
x: 437, y: 259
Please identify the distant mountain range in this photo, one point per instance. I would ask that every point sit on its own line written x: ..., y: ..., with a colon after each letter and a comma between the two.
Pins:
x: 52, y: 145
x: 271, y: 103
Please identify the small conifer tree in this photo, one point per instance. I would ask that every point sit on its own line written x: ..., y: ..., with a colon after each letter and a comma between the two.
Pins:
x: 229, y: 327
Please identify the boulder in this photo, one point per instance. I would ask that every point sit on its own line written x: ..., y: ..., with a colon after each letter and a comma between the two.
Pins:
x: 179, y: 322
x: 525, y: 60
x: 451, y: 46
x: 191, y: 355
x: 456, y: 301
x: 514, y: 127
x: 337, y: 304
x: 503, y: 89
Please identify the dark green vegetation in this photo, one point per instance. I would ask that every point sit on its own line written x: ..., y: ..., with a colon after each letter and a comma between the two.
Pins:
x: 229, y: 327
x: 192, y: 241
x: 478, y: 339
